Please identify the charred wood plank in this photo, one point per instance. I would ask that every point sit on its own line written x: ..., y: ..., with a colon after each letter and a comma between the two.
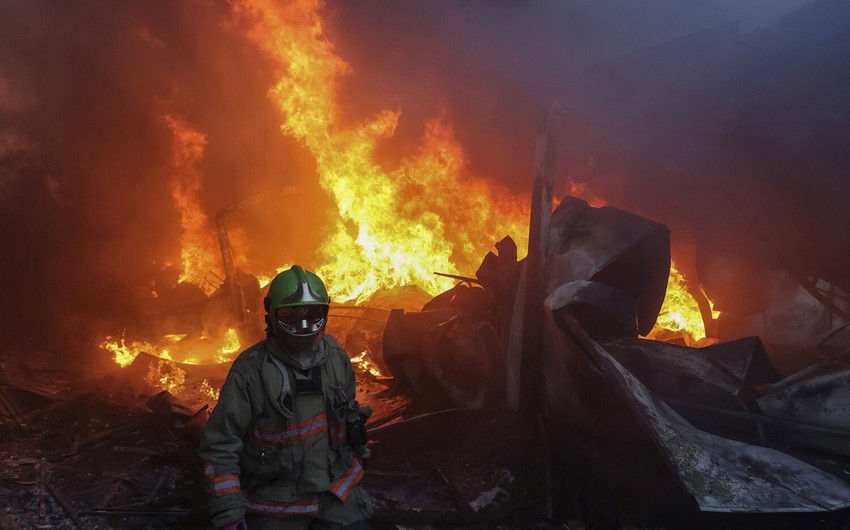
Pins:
x: 464, y: 279
x: 66, y: 505
x: 15, y: 417
x: 42, y: 482
x: 32, y: 390
x: 457, y: 499
x: 110, y: 494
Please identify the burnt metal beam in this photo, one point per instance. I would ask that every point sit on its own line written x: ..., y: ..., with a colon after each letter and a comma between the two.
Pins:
x: 230, y: 279
x: 531, y: 360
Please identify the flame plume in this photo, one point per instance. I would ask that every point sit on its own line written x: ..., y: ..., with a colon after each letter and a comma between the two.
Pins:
x: 680, y: 314
x: 394, y: 227
x: 198, y: 252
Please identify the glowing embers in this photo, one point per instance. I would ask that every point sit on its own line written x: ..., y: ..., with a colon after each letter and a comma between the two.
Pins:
x: 362, y: 361
x: 179, y: 347
x: 155, y: 364
x: 210, y: 391
x: 193, y: 383
x: 167, y: 375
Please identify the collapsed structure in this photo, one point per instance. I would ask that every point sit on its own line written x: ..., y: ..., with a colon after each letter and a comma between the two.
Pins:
x: 728, y: 427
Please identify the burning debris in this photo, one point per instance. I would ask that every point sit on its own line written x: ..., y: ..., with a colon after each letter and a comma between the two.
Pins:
x: 704, y: 420
x: 722, y: 417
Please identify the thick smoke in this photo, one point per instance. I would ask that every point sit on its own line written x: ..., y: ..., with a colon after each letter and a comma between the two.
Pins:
x: 736, y: 137
x: 89, y: 224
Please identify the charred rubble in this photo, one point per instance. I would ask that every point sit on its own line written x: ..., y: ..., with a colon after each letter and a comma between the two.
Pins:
x: 628, y: 431
x: 702, y: 431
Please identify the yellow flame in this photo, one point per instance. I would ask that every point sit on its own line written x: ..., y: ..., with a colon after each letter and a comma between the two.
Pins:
x: 198, y: 246
x: 176, y: 347
x: 394, y: 227
x: 364, y: 363
x: 122, y: 353
x: 167, y: 375
x: 680, y: 312
x: 229, y: 347
x: 209, y: 391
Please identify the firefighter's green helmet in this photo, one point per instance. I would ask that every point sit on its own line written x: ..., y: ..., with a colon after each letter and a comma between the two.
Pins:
x: 297, y: 306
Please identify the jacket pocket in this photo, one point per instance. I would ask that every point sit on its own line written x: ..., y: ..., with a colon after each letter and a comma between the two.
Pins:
x: 260, y: 465
x: 264, y: 458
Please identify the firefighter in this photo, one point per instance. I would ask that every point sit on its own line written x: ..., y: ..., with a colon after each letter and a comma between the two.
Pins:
x: 285, y: 446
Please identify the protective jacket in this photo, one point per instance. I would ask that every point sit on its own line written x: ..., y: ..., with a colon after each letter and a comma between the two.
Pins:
x: 278, y: 435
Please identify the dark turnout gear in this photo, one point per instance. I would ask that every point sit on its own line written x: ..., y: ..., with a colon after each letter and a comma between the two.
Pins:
x: 271, y: 449
x: 283, y: 440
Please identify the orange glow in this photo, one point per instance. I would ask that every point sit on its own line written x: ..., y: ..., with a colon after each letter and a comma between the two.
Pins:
x: 199, y: 249
x: 394, y: 227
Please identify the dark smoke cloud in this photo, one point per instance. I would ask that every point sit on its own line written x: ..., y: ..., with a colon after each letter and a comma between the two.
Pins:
x: 85, y: 157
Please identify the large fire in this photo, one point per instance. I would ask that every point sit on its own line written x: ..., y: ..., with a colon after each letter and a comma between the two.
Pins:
x: 393, y: 227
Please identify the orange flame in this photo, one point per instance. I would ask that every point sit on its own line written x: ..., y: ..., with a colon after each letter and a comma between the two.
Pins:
x: 167, y: 375
x: 229, y: 347
x: 122, y: 353
x: 176, y: 347
x: 364, y: 364
x: 394, y: 227
x: 199, y: 250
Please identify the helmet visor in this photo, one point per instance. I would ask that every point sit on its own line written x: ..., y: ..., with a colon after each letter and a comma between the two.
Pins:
x: 302, y: 320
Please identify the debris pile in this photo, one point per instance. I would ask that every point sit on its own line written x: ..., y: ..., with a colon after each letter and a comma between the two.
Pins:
x: 720, y: 428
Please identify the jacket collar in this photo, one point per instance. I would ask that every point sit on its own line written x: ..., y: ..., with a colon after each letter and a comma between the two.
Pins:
x: 301, y: 361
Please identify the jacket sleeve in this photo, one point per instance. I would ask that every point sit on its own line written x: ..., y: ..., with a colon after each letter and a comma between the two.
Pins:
x: 220, y: 449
